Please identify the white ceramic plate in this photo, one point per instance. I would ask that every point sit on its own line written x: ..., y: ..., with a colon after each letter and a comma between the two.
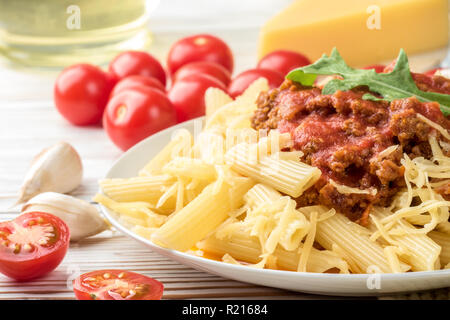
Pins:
x: 331, y: 284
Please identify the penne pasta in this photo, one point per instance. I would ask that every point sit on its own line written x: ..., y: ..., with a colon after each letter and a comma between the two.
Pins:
x: 141, y: 211
x: 287, y: 176
x: 202, y: 215
x: 180, y: 145
x: 419, y: 250
x: 349, y: 237
x: 190, y: 168
x: 443, y: 240
x: 244, y: 247
x: 214, y: 100
x: 260, y: 194
x: 148, y: 189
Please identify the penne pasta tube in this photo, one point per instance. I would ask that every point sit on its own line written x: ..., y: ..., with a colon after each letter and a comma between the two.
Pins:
x: 214, y: 100
x: 180, y: 145
x: 203, y: 214
x: 443, y: 240
x: 148, y: 189
x: 134, y: 210
x: 419, y: 250
x: 190, y: 168
x: 144, y: 232
x: 287, y: 176
x: 244, y: 247
x: 352, y: 239
x: 260, y: 194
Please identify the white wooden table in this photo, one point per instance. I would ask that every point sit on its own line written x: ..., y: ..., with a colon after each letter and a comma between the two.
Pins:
x: 29, y: 122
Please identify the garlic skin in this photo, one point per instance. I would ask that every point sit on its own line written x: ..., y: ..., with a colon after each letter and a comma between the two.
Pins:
x: 57, y: 169
x: 82, y: 218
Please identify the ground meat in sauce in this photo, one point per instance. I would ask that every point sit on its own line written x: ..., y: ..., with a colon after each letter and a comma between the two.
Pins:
x: 343, y: 135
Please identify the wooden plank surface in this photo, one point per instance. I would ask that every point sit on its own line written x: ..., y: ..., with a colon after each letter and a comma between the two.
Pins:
x: 29, y: 123
x: 110, y: 250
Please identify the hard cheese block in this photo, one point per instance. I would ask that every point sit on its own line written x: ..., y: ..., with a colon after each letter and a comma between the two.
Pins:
x: 364, y: 31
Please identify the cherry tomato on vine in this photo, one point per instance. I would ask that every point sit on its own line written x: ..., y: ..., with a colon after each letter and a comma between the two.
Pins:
x: 211, y: 69
x: 116, y: 285
x: 244, y: 79
x: 136, y: 81
x: 188, y: 95
x: 32, y: 245
x: 283, y: 61
x: 81, y: 93
x: 135, y: 114
x: 130, y: 63
x: 200, y: 47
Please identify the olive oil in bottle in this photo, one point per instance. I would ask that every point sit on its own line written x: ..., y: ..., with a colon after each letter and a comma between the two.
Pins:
x: 56, y: 33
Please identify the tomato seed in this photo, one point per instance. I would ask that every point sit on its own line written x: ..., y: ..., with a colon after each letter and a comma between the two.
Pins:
x: 121, y: 275
x: 107, y: 275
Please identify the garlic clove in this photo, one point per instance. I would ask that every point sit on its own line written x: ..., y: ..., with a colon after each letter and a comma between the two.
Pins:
x: 57, y: 169
x: 82, y: 218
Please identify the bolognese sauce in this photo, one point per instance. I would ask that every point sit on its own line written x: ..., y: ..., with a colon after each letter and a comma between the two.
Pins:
x: 345, y: 136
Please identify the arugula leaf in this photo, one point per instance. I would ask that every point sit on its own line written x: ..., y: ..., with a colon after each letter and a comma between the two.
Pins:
x: 397, y: 84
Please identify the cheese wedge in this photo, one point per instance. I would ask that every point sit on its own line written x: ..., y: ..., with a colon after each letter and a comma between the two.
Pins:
x: 364, y: 31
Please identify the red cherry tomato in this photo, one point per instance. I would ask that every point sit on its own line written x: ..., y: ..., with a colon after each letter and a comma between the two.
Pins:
x: 283, y: 61
x: 431, y: 72
x: 201, y: 47
x: 135, y: 114
x: 379, y: 68
x: 116, y: 285
x: 81, y: 93
x: 204, y: 67
x: 136, y: 81
x: 187, y: 95
x: 32, y: 245
x: 131, y: 63
x: 244, y: 79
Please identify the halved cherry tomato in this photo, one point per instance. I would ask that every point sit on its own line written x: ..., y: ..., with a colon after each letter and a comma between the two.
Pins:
x: 32, y: 245
x: 244, y: 79
x: 204, y: 67
x: 379, y: 68
x: 283, y: 61
x: 200, y: 47
x: 135, y: 81
x: 187, y: 95
x: 130, y: 63
x: 116, y: 285
x: 81, y: 93
x: 135, y: 114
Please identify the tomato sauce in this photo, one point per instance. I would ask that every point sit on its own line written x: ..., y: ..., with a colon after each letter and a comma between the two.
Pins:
x: 343, y: 135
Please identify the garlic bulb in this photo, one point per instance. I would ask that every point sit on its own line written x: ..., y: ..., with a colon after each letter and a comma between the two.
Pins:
x: 56, y: 169
x: 82, y: 218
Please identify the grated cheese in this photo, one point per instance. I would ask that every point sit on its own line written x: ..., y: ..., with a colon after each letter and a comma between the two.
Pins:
x: 348, y: 190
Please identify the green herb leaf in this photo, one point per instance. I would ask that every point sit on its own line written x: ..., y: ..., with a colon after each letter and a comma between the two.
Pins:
x: 397, y: 84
